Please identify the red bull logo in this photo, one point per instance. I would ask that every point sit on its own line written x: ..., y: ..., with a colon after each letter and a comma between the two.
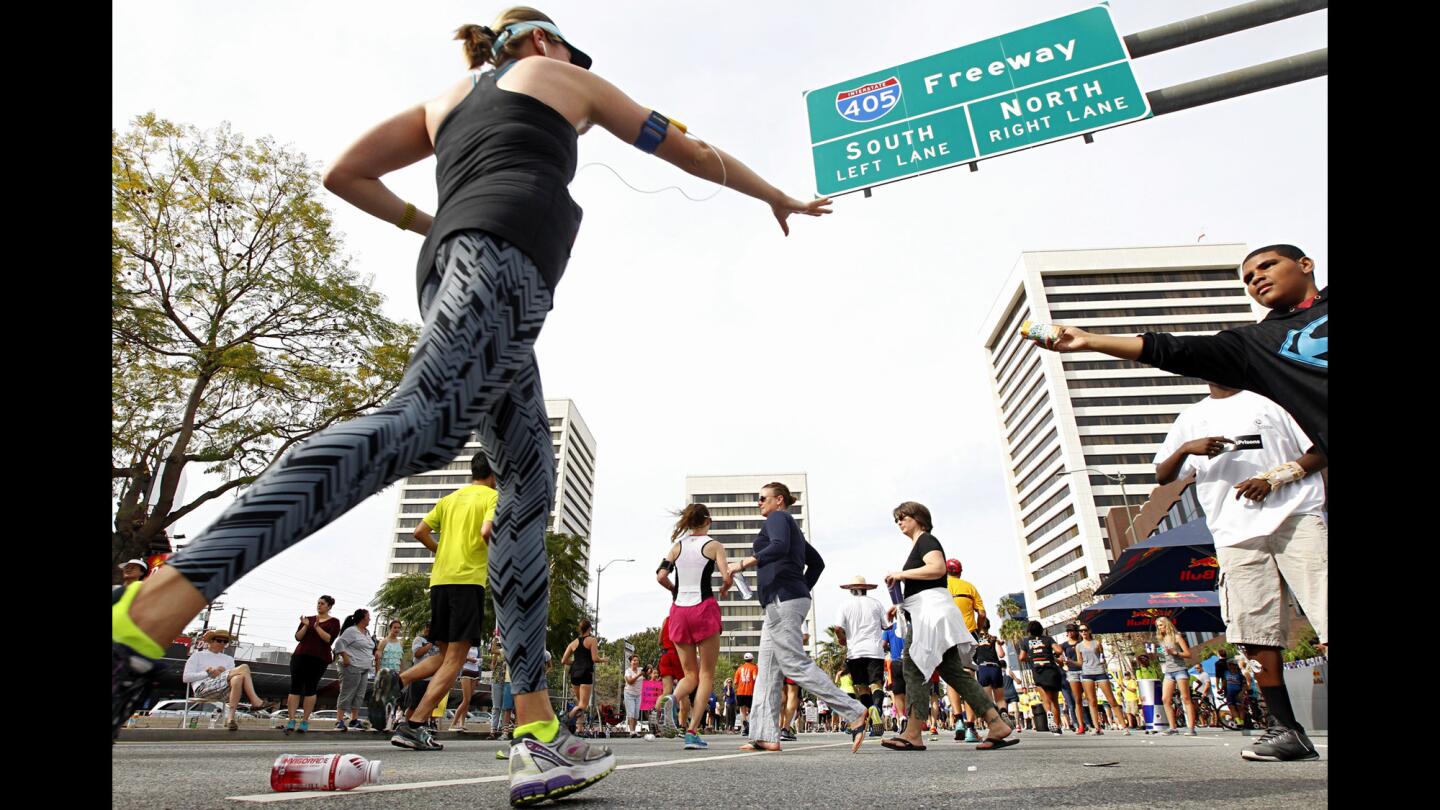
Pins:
x: 1200, y: 569
x: 1143, y: 619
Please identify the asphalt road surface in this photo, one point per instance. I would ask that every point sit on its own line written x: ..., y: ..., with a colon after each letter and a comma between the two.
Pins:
x: 818, y: 771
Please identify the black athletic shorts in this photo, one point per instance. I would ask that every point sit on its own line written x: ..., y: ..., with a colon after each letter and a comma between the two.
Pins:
x: 456, y: 613
x: 744, y: 701
x: 305, y: 674
x: 866, y: 671
x: 582, y: 677
x: 1049, y: 678
x: 897, y: 677
x: 990, y: 676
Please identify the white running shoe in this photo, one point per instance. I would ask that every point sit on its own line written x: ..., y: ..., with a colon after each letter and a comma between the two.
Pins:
x: 540, y: 770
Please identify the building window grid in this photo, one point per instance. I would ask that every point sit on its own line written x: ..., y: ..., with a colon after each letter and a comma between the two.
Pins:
x: 1007, y: 348
x: 1039, y: 553
x: 1038, y: 492
x: 1060, y: 517
x: 1128, y: 279
x: 430, y: 479
x: 1091, y: 440
x: 1125, y: 419
x: 1120, y: 458
x: 1010, y: 386
x: 1006, y: 385
x: 1059, y: 562
x: 1140, y: 328
x: 1024, y: 398
x: 1155, y: 311
x: 1157, y: 295
x: 1130, y: 478
x: 1039, y: 446
x: 1069, y: 580
x: 1104, y: 365
x: 1034, y: 412
x: 1045, y: 507
x: 1037, y: 470
x: 1152, y: 399
x: 1010, y: 318
x: 1129, y: 382
x: 1014, y: 358
x: 1034, y: 432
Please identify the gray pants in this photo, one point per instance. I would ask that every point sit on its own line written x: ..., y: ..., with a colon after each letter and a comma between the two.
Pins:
x: 952, y: 671
x: 352, y: 688
x: 782, y: 655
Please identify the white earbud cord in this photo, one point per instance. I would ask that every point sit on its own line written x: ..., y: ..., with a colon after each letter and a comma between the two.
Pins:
x: 716, y: 152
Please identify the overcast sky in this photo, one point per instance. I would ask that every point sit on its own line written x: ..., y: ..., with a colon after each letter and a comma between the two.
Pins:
x: 693, y: 337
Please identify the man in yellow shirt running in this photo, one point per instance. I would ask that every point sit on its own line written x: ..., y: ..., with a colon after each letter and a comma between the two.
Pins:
x: 972, y: 608
x: 465, y: 520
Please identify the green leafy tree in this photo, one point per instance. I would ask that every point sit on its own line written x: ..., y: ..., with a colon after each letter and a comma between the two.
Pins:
x: 569, y: 581
x: 831, y: 654
x: 407, y: 598
x: 1009, y: 608
x: 238, y: 328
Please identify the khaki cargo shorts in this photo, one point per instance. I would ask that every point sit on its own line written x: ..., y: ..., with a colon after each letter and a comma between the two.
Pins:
x: 1256, y: 575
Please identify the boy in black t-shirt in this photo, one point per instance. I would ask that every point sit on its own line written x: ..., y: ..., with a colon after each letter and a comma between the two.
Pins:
x: 1284, y: 357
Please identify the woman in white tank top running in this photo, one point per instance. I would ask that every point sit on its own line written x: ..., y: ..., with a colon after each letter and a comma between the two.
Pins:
x: 694, y: 613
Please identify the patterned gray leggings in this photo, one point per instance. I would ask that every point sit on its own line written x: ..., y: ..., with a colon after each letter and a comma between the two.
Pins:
x: 473, y: 369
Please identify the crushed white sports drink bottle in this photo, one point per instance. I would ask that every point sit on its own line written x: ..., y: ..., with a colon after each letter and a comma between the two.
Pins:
x: 323, y: 772
x: 1044, y: 333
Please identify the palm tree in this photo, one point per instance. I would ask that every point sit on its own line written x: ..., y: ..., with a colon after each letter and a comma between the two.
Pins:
x: 569, y: 581
x: 831, y: 655
x: 1009, y: 608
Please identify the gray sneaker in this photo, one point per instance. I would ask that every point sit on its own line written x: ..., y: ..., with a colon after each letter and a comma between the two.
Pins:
x: 540, y: 771
x: 1170, y: 732
x: 416, y: 739
x: 1192, y: 733
x: 1281, y: 745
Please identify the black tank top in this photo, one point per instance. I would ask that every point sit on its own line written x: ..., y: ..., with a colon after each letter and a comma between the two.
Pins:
x: 1041, y: 652
x: 985, y: 652
x: 583, y: 662
x: 503, y: 162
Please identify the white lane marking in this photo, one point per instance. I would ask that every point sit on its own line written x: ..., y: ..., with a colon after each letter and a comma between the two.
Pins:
x: 320, y: 794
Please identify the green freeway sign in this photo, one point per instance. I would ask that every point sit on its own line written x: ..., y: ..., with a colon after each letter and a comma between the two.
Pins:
x: 1054, y: 80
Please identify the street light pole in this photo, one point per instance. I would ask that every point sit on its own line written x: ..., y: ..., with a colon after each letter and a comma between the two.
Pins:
x: 596, y: 628
x: 598, y: 571
x: 1118, y: 478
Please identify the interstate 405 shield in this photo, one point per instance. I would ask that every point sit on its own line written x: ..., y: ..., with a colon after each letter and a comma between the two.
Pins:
x: 1054, y: 80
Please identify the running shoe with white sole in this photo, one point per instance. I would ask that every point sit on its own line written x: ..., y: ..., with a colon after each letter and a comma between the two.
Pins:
x: 132, y: 676
x: 1281, y: 744
x: 694, y: 742
x: 541, y: 771
x: 416, y: 739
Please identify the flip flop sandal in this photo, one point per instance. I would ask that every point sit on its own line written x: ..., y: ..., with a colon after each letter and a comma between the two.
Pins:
x: 990, y: 745
x: 901, y: 744
x: 857, y: 736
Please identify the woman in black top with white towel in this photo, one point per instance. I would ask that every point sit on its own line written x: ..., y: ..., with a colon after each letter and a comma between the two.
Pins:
x: 934, y: 628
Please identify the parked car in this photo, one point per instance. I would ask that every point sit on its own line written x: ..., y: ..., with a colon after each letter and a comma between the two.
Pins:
x: 176, y: 708
x: 325, y: 714
x: 473, y: 716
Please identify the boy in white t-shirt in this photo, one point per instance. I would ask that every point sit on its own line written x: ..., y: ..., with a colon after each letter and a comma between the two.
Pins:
x: 1253, y: 467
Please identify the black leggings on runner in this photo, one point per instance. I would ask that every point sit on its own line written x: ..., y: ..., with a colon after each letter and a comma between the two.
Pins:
x: 473, y: 368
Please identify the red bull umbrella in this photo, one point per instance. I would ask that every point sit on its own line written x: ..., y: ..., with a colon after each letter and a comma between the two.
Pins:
x: 1182, y: 559
x: 1192, y: 611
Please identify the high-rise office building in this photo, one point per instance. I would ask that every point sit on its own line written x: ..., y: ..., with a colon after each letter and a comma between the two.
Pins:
x: 574, y: 449
x: 734, y: 506
x: 1072, y: 424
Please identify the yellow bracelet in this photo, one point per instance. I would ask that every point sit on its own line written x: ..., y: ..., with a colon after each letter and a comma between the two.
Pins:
x: 407, y: 218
